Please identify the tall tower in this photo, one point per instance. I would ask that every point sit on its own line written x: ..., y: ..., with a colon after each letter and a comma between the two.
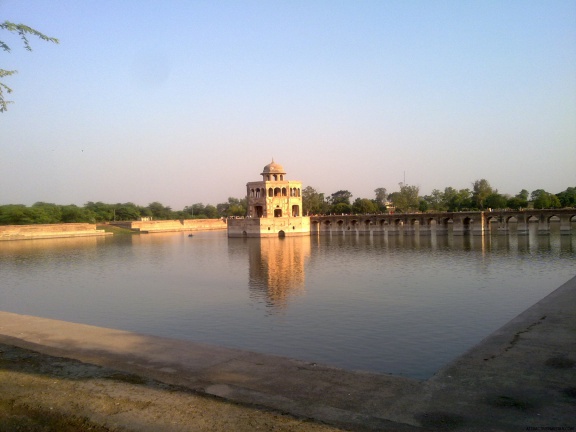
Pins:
x: 274, y: 196
x: 274, y: 207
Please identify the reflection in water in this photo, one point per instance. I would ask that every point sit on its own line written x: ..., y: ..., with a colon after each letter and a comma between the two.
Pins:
x: 276, y: 268
x: 397, y: 304
x: 493, y: 241
x: 46, y: 247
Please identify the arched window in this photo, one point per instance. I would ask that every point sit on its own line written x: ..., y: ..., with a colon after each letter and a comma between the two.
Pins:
x: 283, y: 191
x: 270, y: 192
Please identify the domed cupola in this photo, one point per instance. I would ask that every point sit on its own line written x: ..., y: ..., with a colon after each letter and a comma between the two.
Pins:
x: 273, y: 172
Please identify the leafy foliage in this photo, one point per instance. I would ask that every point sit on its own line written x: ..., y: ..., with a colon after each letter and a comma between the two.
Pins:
x: 458, y: 200
x: 435, y: 201
x: 519, y: 201
x: 342, y: 196
x: 23, y: 31
x: 365, y: 206
x: 341, y: 208
x: 407, y: 199
x: 568, y: 197
x: 234, y: 207
x: 481, y: 191
x: 200, y: 211
x: 313, y: 202
x: 95, y: 212
x: 542, y: 199
x: 381, y: 196
x: 496, y: 201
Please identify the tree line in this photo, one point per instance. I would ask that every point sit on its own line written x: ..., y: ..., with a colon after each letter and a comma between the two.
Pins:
x: 481, y: 196
x: 99, y: 212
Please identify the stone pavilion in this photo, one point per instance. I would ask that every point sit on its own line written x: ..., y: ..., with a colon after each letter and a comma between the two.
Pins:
x: 274, y: 207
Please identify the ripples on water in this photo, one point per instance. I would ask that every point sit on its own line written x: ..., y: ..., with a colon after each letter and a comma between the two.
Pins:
x: 396, y: 304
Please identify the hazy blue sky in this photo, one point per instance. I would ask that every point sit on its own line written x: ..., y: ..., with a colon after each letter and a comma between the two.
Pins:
x: 186, y: 101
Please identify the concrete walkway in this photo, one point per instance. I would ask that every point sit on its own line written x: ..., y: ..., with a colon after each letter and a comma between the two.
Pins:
x: 522, y: 377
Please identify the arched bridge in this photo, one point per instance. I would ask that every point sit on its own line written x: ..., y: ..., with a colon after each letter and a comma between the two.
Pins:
x: 460, y: 223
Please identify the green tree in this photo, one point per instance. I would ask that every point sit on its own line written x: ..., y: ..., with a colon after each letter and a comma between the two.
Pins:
x: 342, y: 196
x: 73, y: 213
x: 234, y: 207
x: 393, y: 198
x: 222, y: 209
x: 103, y: 212
x: 126, y: 212
x: 481, y: 190
x: 239, y: 209
x: 536, y: 194
x: 568, y: 197
x: 496, y: 201
x: 423, y: 205
x: 195, y: 211
x: 523, y: 194
x: 47, y: 213
x: 365, y: 206
x: 554, y: 202
x: 542, y: 199
x: 23, y: 31
x: 407, y: 198
x: 518, y: 201
x: 313, y: 202
x: 159, y: 211
x: 381, y: 195
x: 436, y: 201
x: 200, y: 211
x: 15, y: 214
x: 211, y: 211
x: 341, y: 208
x: 457, y: 200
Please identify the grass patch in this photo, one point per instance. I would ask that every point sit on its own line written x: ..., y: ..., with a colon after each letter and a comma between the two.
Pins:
x: 127, y: 378
x: 116, y: 230
x: 16, y: 417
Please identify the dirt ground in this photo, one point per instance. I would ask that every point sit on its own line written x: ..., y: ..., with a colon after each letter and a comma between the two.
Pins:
x: 44, y: 393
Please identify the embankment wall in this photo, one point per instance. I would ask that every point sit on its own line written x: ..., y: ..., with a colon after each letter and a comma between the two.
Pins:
x: 179, y: 225
x: 41, y: 231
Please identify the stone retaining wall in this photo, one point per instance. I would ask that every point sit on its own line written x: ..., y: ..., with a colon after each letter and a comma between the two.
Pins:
x: 41, y: 231
x: 179, y: 225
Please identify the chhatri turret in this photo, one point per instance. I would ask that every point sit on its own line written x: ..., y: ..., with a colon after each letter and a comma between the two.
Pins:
x: 273, y: 172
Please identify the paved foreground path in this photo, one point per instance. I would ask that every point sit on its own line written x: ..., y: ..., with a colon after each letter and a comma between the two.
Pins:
x: 522, y: 377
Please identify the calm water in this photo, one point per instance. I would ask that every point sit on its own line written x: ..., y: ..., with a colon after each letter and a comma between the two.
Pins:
x: 400, y: 305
